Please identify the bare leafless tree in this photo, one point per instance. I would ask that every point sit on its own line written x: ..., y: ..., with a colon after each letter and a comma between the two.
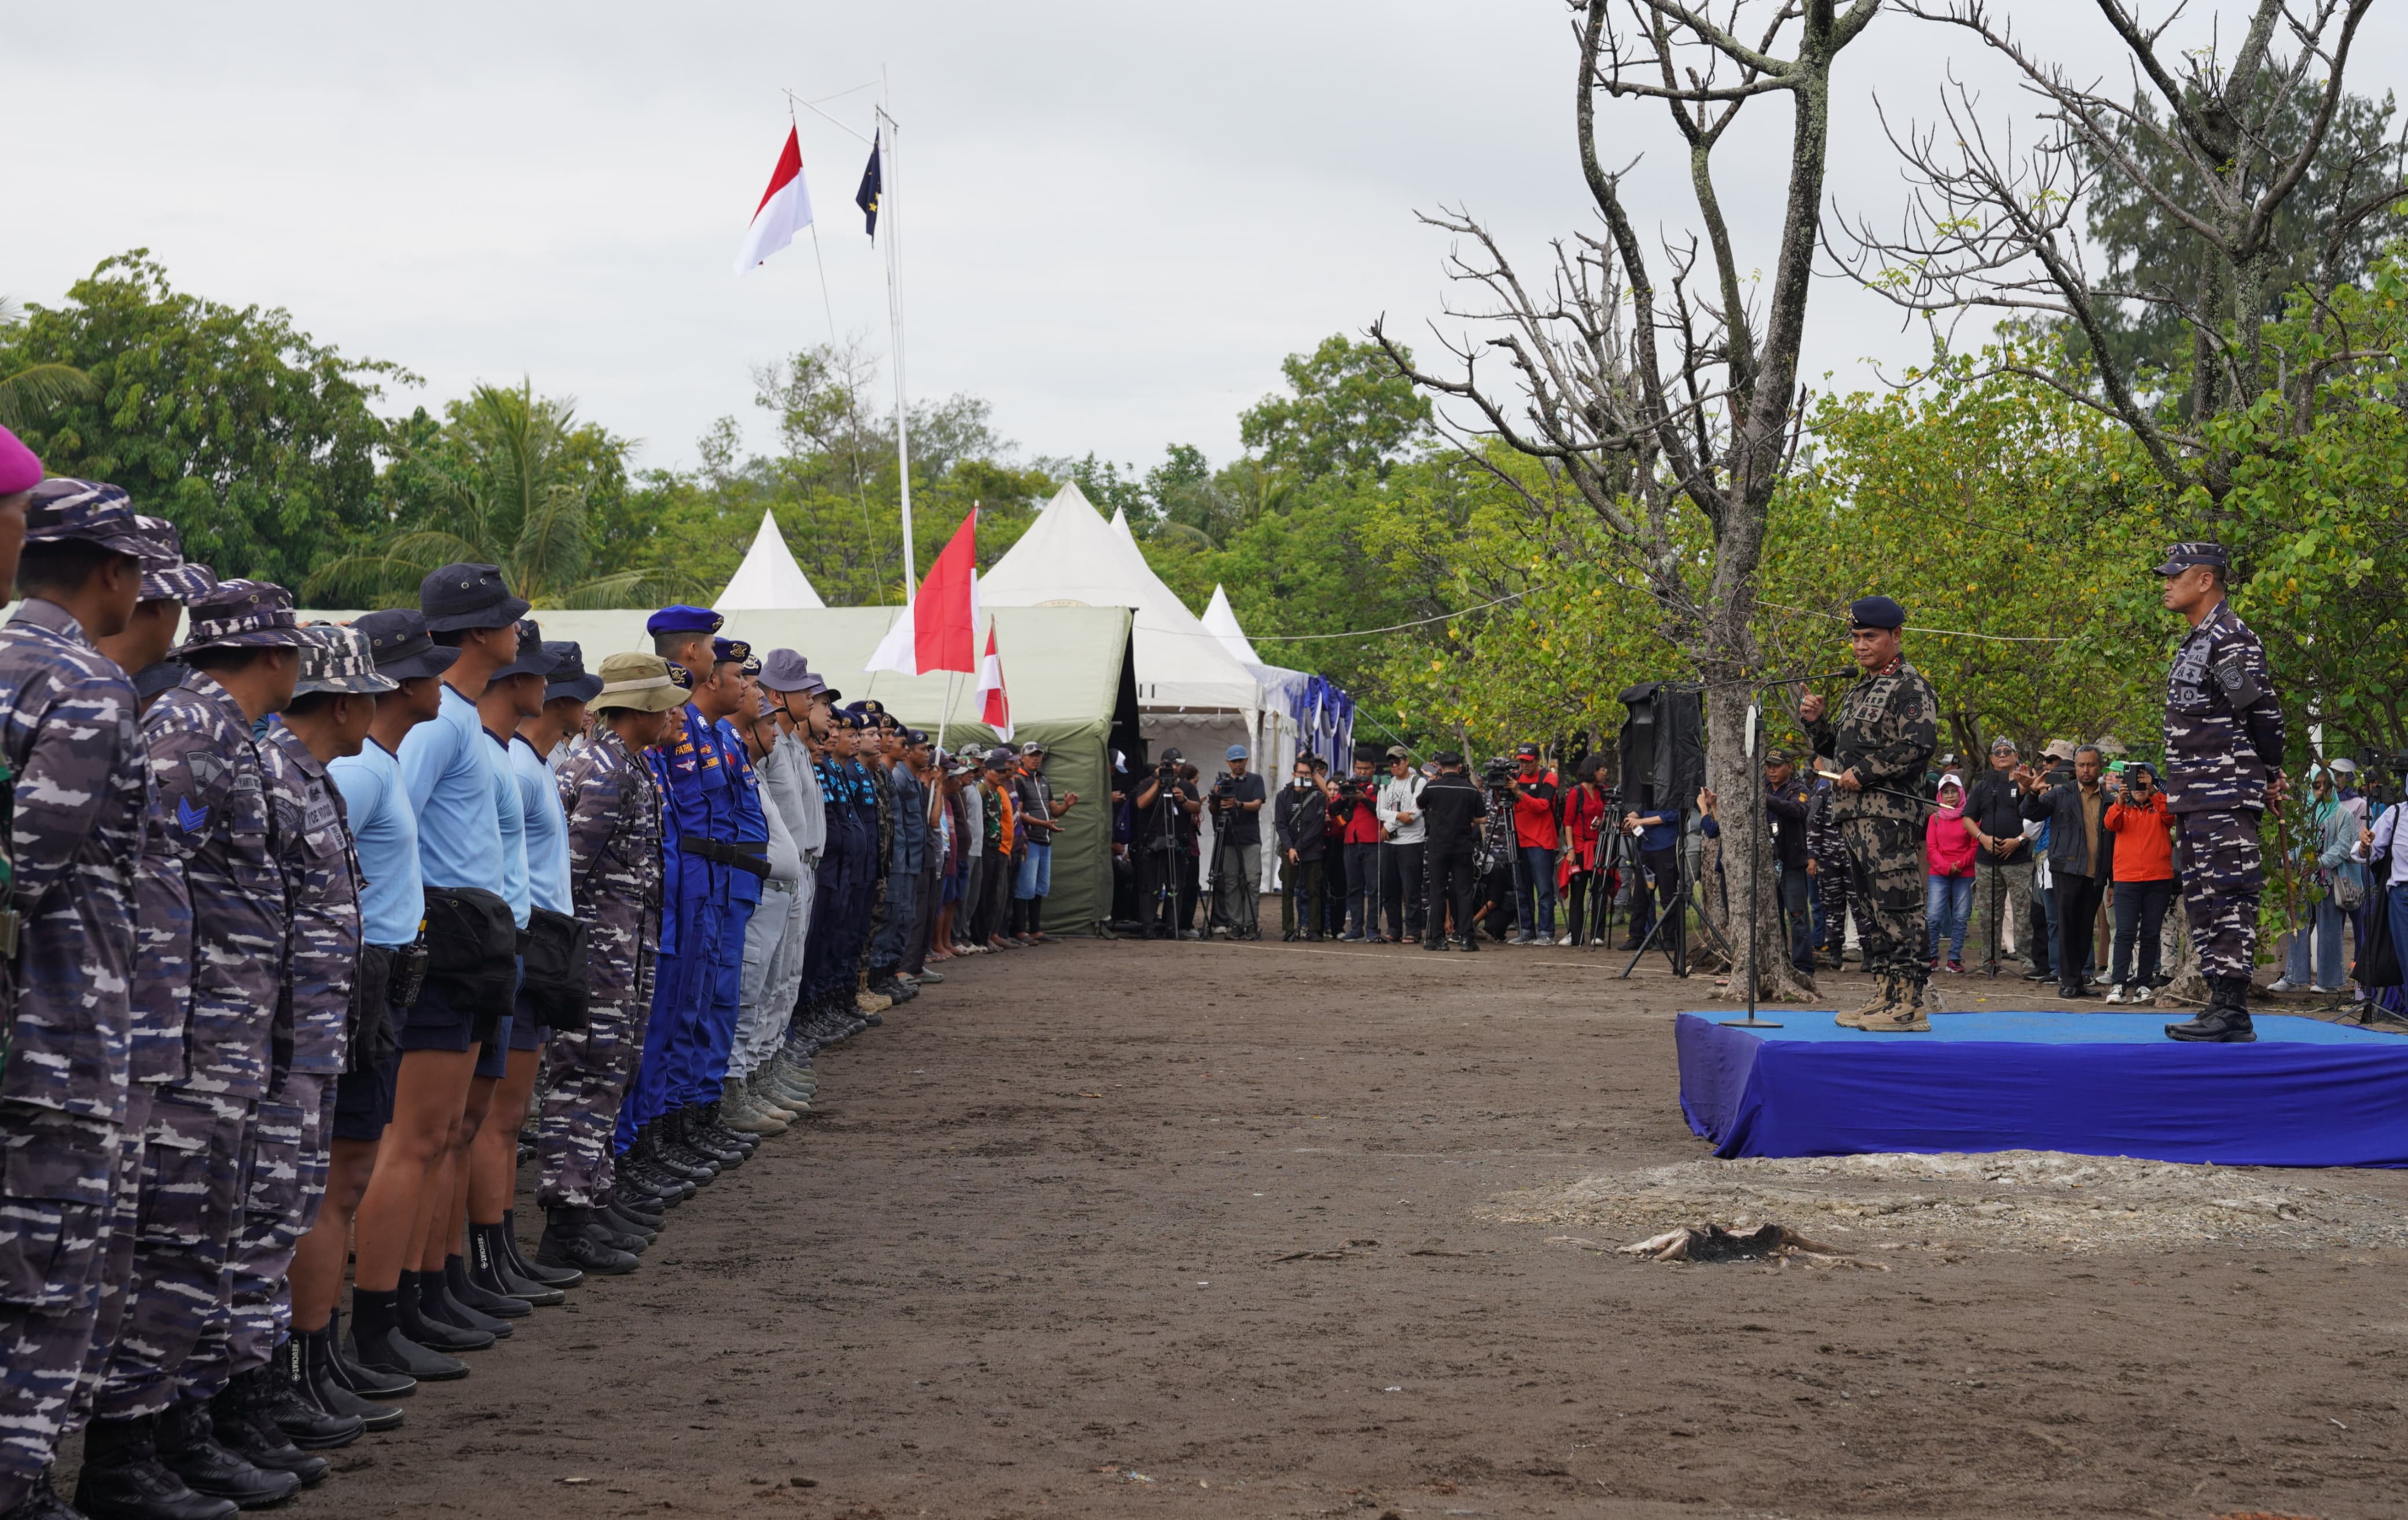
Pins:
x: 1651, y: 381
x: 1991, y: 223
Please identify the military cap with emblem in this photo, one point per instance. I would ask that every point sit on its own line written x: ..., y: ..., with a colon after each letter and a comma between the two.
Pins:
x: 730, y: 650
x: 2182, y: 556
x: 785, y: 670
x: 239, y: 614
x: 1776, y: 757
x: 463, y: 596
x: 168, y: 576
x: 1875, y: 612
x: 870, y: 707
x: 534, y: 657
x: 401, y: 646
x: 569, y: 677
x: 683, y: 619
x: 338, y: 659
x: 68, y: 511
x: 681, y: 678
x: 644, y: 682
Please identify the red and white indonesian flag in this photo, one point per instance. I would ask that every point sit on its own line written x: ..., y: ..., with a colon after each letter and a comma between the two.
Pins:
x: 785, y: 209
x: 994, y: 709
x: 938, y: 630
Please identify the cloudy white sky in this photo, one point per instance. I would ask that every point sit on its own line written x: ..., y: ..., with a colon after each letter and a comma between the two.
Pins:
x: 1116, y: 218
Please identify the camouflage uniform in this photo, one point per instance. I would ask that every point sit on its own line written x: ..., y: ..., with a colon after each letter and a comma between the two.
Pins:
x: 1888, y: 727
x: 207, y: 970
x: 2224, y: 742
x: 1829, y: 853
x: 290, y: 1135
x: 75, y: 761
x: 614, y: 861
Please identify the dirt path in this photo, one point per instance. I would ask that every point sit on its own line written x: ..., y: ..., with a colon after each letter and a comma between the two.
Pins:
x: 1120, y: 1229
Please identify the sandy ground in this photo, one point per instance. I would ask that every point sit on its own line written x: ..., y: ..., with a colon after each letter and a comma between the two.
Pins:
x: 1327, y: 1230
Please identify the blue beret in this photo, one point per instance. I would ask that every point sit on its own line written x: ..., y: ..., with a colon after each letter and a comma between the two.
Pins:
x: 1875, y: 612
x: 731, y: 651
x: 683, y: 619
x: 681, y: 678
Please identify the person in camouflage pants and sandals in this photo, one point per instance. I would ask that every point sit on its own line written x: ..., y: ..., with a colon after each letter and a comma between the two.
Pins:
x: 75, y: 761
x: 2224, y: 764
x: 614, y: 863
x: 1888, y: 725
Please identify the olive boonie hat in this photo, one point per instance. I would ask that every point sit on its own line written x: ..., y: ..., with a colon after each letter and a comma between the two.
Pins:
x: 642, y: 682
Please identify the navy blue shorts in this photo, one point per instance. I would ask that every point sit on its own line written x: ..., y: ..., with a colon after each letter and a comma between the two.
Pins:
x: 439, y: 1021
x: 363, y: 1101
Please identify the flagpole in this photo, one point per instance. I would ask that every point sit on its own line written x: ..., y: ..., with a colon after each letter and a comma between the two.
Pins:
x: 889, y: 180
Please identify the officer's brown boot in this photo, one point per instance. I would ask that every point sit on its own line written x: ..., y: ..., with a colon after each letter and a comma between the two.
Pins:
x: 1904, y: 1016
x: 1885, y: 1000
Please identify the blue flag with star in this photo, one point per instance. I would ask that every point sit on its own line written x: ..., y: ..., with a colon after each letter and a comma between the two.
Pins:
x: 872, y: 185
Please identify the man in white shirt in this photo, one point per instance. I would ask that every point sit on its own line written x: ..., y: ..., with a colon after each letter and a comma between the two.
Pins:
x: 1403, y: 838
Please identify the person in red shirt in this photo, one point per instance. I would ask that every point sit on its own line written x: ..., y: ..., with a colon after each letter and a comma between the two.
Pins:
x: 2145, y: 881
x: 1534, y: 837
x: 1585, y: 820
x: 1354, y: 813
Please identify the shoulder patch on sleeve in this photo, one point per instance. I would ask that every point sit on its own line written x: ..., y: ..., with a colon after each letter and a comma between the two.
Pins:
x: 190, y: 819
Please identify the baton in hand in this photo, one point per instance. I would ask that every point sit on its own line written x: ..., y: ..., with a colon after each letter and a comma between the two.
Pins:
x: 1882, y: 791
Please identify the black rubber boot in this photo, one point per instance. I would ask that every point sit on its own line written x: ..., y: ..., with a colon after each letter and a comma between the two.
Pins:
x: 382, y: 1350
x: 558, y: 1277
x: 287, y: 1397
x: 434, y: 1333
x: 355, y: 1376
x: 571, y: 1240
x: 467, y: 1292
x: 488, y: 1268
x: 2225, y: 1021
x: 326, y: 1389
x: 435, y: 1302
x: 190, y: 1450
x: 123, y: 1478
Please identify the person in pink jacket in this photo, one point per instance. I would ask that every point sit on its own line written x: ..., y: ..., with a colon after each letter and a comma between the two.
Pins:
x: 1948, y: 853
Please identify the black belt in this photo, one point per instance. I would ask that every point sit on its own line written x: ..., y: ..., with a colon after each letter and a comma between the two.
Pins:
x: 743, y: 855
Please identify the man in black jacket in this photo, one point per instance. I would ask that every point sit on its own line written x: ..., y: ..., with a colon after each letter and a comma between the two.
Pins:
x: 1451, y: 807
x: 2003, y: 868
x: 2080, y: 856
x: 1301, y: 821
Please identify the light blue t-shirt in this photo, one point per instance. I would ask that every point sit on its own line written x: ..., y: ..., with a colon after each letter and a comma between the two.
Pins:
x: 392, y: 902
x: 547, y: 829
x: 509, y: 818
x: 448, y: 767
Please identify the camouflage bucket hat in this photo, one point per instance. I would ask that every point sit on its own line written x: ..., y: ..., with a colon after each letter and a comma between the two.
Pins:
x: 236, y: 614
x: 168, y: 576
x: 338, y: 659
x: 69, y: 510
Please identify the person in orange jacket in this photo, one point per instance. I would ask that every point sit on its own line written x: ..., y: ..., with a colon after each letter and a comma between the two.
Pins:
x: 2145, y: 881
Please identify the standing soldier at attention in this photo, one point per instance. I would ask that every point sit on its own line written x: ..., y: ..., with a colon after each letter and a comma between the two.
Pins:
x: 2223, y: 763
x: 73, y: 791
x: 1888, y: 727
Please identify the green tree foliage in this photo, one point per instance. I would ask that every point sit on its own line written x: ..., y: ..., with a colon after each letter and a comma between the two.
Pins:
x: 28, y: 392
x: 254, y: 439
x: 1347, y: 413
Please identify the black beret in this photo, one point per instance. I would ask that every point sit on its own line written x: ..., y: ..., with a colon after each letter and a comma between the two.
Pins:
x: 1875, y: 612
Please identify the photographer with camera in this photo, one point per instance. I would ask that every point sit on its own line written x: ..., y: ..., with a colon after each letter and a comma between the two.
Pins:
x: 1406, y: 834
x: 1452, y: 808
x: 1355, y: 805
x: 1534, y: 837
x: 2081, y: 854
x: 1237, y: 798
x: 2144, y: 828
x: 1657, y: 835
x: 1301, y: 821
x: 1158, y: 809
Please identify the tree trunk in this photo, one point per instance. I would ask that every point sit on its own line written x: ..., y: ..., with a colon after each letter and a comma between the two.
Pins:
x: 1732, y: 774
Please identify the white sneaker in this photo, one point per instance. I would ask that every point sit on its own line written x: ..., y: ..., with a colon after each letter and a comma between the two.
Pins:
x: 2326, y: 992
x: 2142, y: 993
x: 1565, y: 938
x: 2284, y: 983
x: 2116, y: 995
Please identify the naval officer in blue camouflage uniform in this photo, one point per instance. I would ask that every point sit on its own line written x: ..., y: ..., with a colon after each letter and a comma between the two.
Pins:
x: 2223, y: 763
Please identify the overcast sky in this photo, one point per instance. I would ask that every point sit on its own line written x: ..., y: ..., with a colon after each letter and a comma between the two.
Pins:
x: 1116, y: 219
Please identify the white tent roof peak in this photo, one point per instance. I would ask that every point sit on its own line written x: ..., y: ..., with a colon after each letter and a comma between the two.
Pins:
x: 769, y: 580
x: 1120, y: 526
x: 1221, y: 621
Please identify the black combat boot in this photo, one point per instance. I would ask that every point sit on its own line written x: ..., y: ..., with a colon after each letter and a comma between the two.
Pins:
x: 653, y: 1151
x: 643, y: 1168
x: 700, y: 1134
x: 287, y: 1397
x: 41, y: 1502
x: 628, y: 1219
x: 123, y: 1478
x: 571, y: 1239
x: 320, y: 1371
x: 2224, y: 1020
x: 558, y: 1277
x: 240, y: 1421
x: 190, y: 1450
x: 714, y: 1116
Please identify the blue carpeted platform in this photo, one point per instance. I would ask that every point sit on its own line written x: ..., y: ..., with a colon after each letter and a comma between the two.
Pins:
x: 2307, y: 1093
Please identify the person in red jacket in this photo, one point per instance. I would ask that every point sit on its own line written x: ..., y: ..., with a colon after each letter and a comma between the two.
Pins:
x: 1534, y: 842
x: 1585, y: 815
x: 1948, y: 851
x: 1354, y: 813
x: 2145, y: 881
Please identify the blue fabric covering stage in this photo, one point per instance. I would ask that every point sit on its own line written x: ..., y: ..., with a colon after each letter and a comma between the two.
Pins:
x: 2307, y: 1093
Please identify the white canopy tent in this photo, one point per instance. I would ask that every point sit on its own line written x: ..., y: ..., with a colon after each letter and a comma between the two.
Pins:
x: 769, y: 580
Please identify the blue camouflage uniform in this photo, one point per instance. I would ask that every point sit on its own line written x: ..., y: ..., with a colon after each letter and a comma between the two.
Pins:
x: 746, y: 825
x: 75, y: 763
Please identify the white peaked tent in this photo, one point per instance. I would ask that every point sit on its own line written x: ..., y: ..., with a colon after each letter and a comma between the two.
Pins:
x: 769, y: 580
x: 1120, y: 526
x: 1221, y: 619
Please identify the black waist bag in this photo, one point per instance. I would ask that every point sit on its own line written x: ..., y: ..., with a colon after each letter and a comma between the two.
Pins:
x: 557, y: 980
x: 471, y: 948
x: 369, y: 1040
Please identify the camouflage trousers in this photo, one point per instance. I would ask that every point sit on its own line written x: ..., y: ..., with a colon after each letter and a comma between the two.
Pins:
x: 56, y: 1172
x: 2222, y: 876
x: 287, y: 1182
x: 189, y: 1194
x: 117, y: 1263
x: 586, y: 1075
x: 1886, y: 890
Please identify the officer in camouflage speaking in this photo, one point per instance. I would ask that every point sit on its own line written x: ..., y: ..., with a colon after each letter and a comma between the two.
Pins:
x: 2223, y: 762
x: 1888, y: 725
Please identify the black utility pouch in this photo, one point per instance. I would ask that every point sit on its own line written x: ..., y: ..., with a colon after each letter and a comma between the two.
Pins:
x: 557, y: 980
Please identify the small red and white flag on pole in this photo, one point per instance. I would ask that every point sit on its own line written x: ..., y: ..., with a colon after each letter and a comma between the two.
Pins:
x: 785, y: 209
x: 939, y: 629
x: 995, y: 708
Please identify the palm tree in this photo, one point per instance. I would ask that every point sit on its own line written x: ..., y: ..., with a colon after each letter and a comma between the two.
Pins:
x: 29, y: 393
x: 507, y: 488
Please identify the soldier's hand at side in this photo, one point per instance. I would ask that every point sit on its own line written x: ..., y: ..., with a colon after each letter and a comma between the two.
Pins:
x: 1811, y: 706
x: 1848, y: 782
x: 1809, y: 868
